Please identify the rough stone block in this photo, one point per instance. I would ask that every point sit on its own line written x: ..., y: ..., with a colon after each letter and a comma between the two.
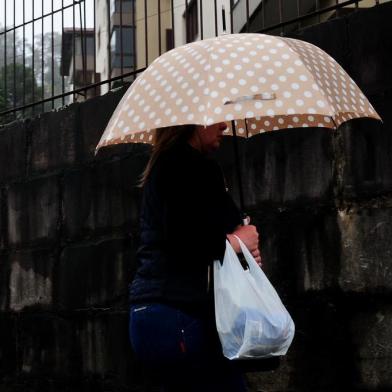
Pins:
x: 13, y: 151
x: 103, y: 197
x: 300, y: 249
x: 53, y: 140
x: 106, y: 351
x: 371, y: 338
x: 31, y: 279
x: 292, y: 166
x: 370, y: 49
x: 4, y: 281
x: 95, y: 275
x: 94, y: 116
x: 46, y: 346
x: 8, y: 345
x: 366, y: 251
x: 33, y: 209
x: 368, y: 161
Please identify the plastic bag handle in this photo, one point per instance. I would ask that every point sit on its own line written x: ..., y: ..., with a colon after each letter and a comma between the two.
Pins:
x: 244, y: 250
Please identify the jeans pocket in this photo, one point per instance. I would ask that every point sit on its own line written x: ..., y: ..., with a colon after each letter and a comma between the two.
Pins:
x: 193, y: 337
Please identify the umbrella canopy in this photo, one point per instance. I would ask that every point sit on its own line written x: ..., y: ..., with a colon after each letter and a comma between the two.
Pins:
x: 262, y: 82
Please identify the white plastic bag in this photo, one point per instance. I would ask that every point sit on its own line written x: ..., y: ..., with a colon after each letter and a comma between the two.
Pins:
x: 251, y: 320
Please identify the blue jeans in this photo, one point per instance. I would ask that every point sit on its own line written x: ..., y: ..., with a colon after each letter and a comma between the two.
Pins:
x: 183, y: 351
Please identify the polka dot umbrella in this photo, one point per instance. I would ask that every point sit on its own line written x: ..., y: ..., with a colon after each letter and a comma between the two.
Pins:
x: 262, y: 82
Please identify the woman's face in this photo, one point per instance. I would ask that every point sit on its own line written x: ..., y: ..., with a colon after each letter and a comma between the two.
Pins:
x: 210, y: 137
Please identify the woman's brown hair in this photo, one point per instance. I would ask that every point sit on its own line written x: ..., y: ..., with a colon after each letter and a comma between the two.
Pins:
x: 164, y: 139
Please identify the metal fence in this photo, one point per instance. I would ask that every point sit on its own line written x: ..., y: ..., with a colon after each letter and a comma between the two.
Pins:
x: 56, y: 52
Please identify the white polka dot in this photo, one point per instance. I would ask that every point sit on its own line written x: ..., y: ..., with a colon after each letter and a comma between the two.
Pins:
x: 287, y: 94
x: 250, y: 73
x: 303, y: 78
x: 201, y: 108
x: 295, y: 119
x: 184, y: 109
x: 222, y: 84
x: 299, y: 102
x: 254, y: 89
x: 320, y: 104
x: 270, y: 71
x: 234, y: 90
x: 229, y: 117
x: 282, y: 78
x: 218, y: 110
x: 262, y: 79
x: 195, y: 99
x: 270, y: 112
x: 312, y: 110
x: 281, y: 121
x: 290, y: 70
x: 267, y: 123
x: 173, y: 119
x: 230, y: 75
x: 295, y: 86
x: 274, y: 87
x: 265, y: 58
x: 237, y: 107
x: 258, y: 105
x: 157, y: 121
x: 242, y: 82
x: 238, y: 67
x: 308, y: 94
x: 190, y: 117
x: 257, y: 65
x: 279, y: 103
x: 327, y: 120
x: 218, y: 69
x: 250, y: 114
x: 278, y: 63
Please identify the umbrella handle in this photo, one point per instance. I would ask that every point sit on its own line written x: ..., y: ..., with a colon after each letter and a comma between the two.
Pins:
x: 245, y: 219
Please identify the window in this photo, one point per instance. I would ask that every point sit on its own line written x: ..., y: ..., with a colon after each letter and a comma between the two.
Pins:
x: 191, y: 21
x: 127, y: 5
x: 127, y: 46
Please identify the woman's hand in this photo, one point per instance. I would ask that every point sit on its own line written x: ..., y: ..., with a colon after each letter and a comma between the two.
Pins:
x: 250, y: 237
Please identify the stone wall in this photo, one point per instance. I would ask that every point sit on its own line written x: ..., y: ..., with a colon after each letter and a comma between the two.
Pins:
x: 322, y: 201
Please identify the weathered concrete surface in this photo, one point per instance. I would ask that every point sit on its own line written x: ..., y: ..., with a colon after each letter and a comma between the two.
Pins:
x: 289, y: 167
x: 31, y: 279
x: 33, y: 211
x: 102, y: 197
x: 13, y: 146
x: 53, y: 142
x: 370, y: 49
x: 94, y: 275
x: 321, y: 200
x: 366, y: 264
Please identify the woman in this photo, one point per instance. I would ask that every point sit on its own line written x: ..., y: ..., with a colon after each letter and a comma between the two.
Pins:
x: 186, y: 217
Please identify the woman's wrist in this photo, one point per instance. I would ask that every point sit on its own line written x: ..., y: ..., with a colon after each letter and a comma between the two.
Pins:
x: 234, y: 243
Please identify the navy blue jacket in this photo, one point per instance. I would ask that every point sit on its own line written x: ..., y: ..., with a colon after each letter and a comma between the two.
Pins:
x: 185, y: 216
